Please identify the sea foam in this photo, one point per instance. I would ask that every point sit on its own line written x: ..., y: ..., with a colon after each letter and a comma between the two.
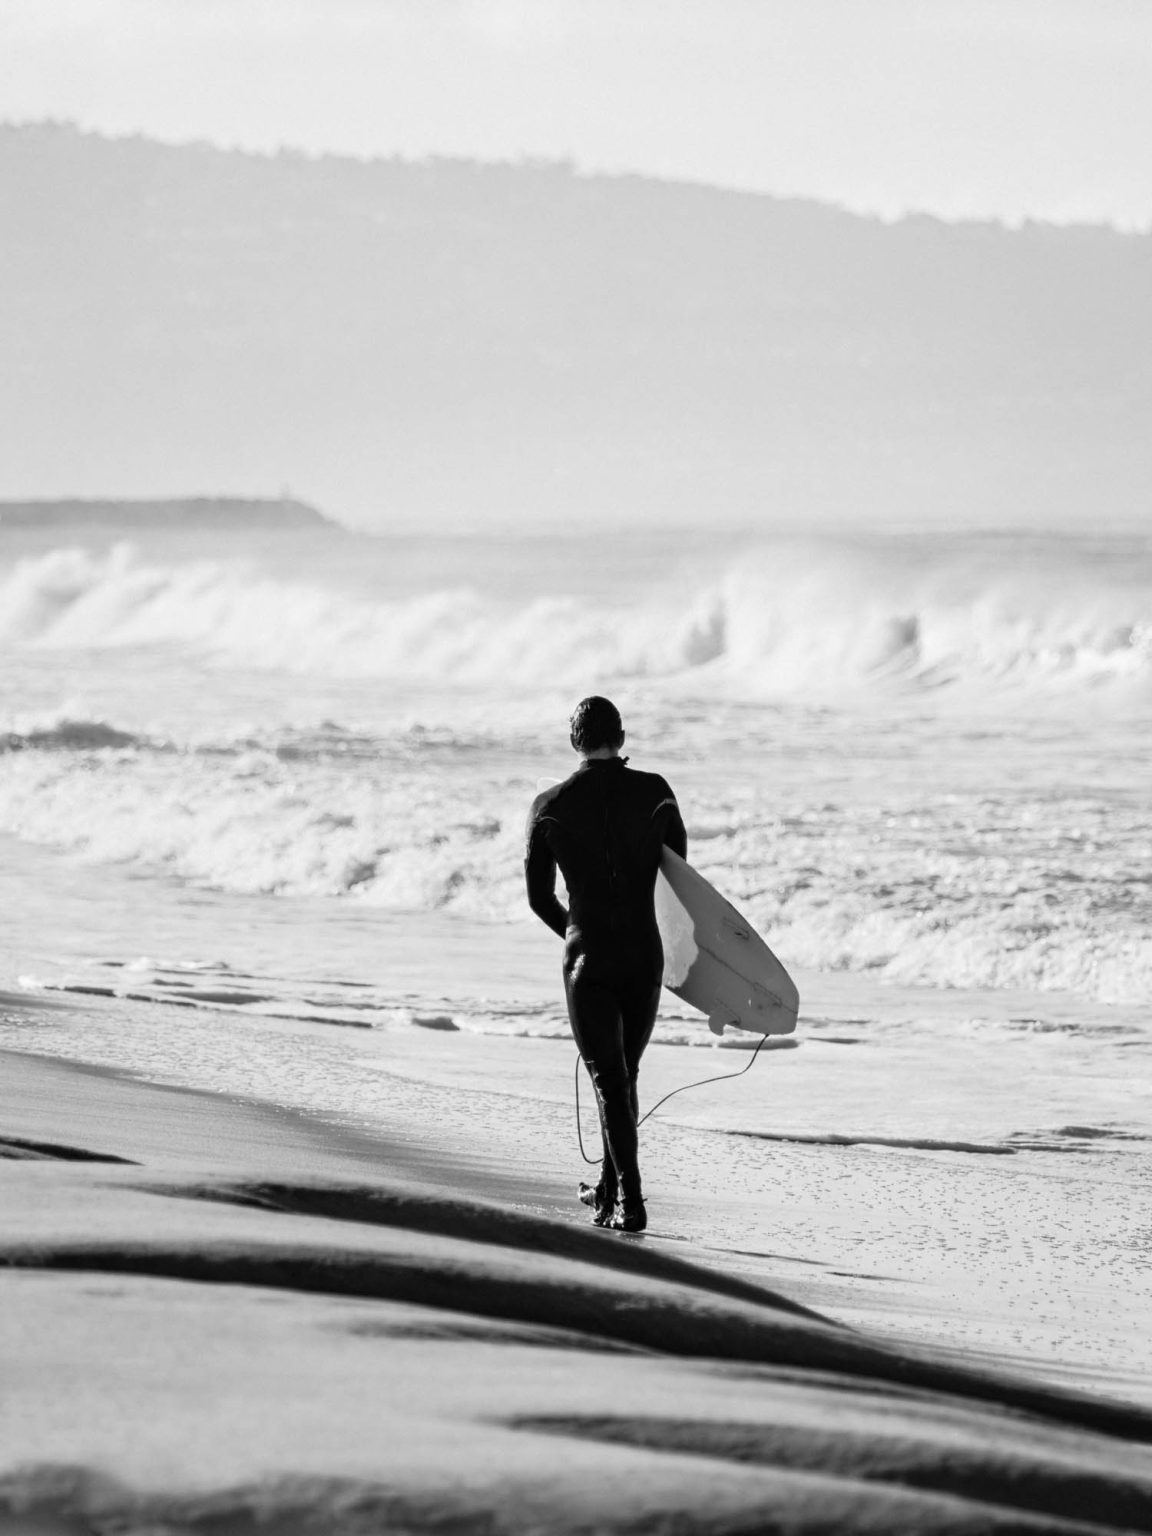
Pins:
x: 1019, y: 891
x: 787, y: 620
x: 923, y: 763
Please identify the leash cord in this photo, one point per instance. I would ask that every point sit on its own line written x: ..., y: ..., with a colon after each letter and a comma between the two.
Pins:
x: 703, y: 1083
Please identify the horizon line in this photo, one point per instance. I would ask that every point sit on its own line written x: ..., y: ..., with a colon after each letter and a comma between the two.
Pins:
x: 1010, y: 225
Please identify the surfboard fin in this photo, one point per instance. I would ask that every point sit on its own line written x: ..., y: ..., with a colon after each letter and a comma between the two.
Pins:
x: 716, y: 1024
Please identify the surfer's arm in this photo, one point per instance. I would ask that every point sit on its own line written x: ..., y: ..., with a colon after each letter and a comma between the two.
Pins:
x: 540, y: 878
x: 675, y: 836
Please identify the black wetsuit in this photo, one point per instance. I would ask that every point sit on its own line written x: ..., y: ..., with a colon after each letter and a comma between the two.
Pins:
x: 605, y: 828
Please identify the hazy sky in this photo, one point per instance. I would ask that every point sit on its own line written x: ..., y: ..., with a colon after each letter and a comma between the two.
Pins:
x: 966, y: 107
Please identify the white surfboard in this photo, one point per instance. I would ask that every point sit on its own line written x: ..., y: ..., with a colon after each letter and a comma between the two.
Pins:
x: 715, y: 960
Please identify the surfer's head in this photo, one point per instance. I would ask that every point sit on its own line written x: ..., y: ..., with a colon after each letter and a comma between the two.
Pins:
x: 596, y: 727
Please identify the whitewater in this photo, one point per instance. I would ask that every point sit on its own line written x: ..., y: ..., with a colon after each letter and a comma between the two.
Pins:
x: 920, y: 759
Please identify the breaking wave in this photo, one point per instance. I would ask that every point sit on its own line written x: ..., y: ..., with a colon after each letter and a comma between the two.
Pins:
x: 787, y: 620
x: 1011, y: 854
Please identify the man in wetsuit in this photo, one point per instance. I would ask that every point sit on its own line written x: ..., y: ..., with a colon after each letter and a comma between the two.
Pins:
x: 605, y: 828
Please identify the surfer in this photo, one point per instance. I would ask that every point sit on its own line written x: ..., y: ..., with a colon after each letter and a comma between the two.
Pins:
x: 604, y: 828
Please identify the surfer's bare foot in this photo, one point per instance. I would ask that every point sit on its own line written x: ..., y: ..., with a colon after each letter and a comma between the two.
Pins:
x: 628, y: 1216
x: 598, y: 1195
x: 602, y: 1201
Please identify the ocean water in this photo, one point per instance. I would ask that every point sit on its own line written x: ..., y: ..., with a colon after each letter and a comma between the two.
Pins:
x: 921, y: 760
x: 254, y: 788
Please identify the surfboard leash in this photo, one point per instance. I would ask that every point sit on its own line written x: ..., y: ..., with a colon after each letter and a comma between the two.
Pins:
x: 723, y: 1077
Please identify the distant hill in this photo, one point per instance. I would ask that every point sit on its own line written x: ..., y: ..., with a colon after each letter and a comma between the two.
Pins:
x: 188, y: 512
x: 440, y: 341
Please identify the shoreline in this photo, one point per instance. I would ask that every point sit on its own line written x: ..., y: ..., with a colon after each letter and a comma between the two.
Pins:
x: 263, y: 1318
x: 990, y: 1258
x: 994, y: 1258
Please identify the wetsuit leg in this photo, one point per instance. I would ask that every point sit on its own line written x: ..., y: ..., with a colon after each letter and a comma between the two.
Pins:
x: 638, y: 1009
x: 596, y: 1016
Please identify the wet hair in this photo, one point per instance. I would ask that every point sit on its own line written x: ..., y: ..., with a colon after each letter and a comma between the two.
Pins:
x: 596, y: 723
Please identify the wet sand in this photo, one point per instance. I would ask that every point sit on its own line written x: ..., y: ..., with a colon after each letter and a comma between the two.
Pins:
x: 224, y: 1316
x: 811, y: 1174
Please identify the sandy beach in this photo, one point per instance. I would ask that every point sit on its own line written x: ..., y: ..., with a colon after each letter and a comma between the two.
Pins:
x: 227, y: 1316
